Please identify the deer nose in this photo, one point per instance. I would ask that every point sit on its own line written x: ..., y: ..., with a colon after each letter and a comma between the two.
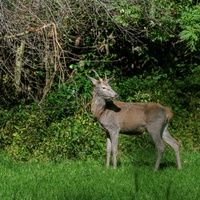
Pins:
x: 116, y: 96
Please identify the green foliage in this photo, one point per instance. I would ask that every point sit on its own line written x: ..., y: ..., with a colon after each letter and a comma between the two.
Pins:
x: 74, y: 138
x: 32, y: 132
x: 62, y: 127
x: 160, y: 20
x: 190, y: 25
x: 127, y: 13
x: 62, y: 101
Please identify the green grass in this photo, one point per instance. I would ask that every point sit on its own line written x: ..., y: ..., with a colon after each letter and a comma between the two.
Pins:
x: 90, y: 180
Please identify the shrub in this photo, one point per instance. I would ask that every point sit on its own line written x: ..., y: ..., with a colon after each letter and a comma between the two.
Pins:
x: 62, y: 127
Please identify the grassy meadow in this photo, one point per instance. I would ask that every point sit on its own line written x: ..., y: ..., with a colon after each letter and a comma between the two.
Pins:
x: 91, y: 180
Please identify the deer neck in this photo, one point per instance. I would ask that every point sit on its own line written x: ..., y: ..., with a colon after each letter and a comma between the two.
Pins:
x: 98, y: 105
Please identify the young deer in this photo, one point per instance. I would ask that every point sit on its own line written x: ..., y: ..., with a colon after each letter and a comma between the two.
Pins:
x: 130, y: 118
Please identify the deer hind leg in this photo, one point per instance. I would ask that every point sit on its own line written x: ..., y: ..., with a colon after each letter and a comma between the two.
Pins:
x: 155, y: 130
x: 160, y: 147
x: 173, y: 143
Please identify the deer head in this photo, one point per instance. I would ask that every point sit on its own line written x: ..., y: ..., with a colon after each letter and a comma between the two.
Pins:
x: 102, y: 87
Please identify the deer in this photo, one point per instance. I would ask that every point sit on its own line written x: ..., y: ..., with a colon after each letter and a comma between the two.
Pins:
x: 130, y: 118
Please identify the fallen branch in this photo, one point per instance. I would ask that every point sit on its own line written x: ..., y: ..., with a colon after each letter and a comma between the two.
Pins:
x: 27, y: 31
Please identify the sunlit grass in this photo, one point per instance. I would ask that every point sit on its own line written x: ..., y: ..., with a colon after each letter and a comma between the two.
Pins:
x: 91, y: 180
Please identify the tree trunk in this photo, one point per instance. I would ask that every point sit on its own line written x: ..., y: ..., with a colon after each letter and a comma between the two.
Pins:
x: 18, y: 66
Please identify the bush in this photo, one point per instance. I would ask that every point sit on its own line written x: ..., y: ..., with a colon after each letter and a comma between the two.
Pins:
x: 62, y: 127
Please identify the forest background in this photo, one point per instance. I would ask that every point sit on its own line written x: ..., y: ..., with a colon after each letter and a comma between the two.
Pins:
x: 47, y: 48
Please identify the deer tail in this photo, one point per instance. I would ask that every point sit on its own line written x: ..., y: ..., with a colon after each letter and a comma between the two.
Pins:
x: 169, y: 114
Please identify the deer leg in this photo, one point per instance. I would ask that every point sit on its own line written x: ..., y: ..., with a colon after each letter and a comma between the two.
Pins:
x: 108, y: 151
x: 160, y: 147
x: 114, y: 144
x: 174, y: 144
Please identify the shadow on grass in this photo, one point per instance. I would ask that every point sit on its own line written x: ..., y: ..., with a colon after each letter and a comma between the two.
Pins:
x: 167, y: 165
x: 147, y: 158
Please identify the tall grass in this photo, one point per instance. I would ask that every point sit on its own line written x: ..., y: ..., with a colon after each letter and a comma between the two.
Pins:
x: 91, y: 180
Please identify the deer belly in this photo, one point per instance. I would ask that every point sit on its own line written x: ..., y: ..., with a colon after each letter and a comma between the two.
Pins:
x: 133, y: 129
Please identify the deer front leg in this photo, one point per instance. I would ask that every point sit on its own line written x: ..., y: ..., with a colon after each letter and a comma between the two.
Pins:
x: 114, y: 145
x: 108, y: 151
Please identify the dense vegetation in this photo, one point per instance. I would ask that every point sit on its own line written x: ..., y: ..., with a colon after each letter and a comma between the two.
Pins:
x: 47, y: 47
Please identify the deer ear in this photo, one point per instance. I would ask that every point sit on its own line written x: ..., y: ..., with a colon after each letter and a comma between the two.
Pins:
x: 109, y: 80
x: 94, y: 81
